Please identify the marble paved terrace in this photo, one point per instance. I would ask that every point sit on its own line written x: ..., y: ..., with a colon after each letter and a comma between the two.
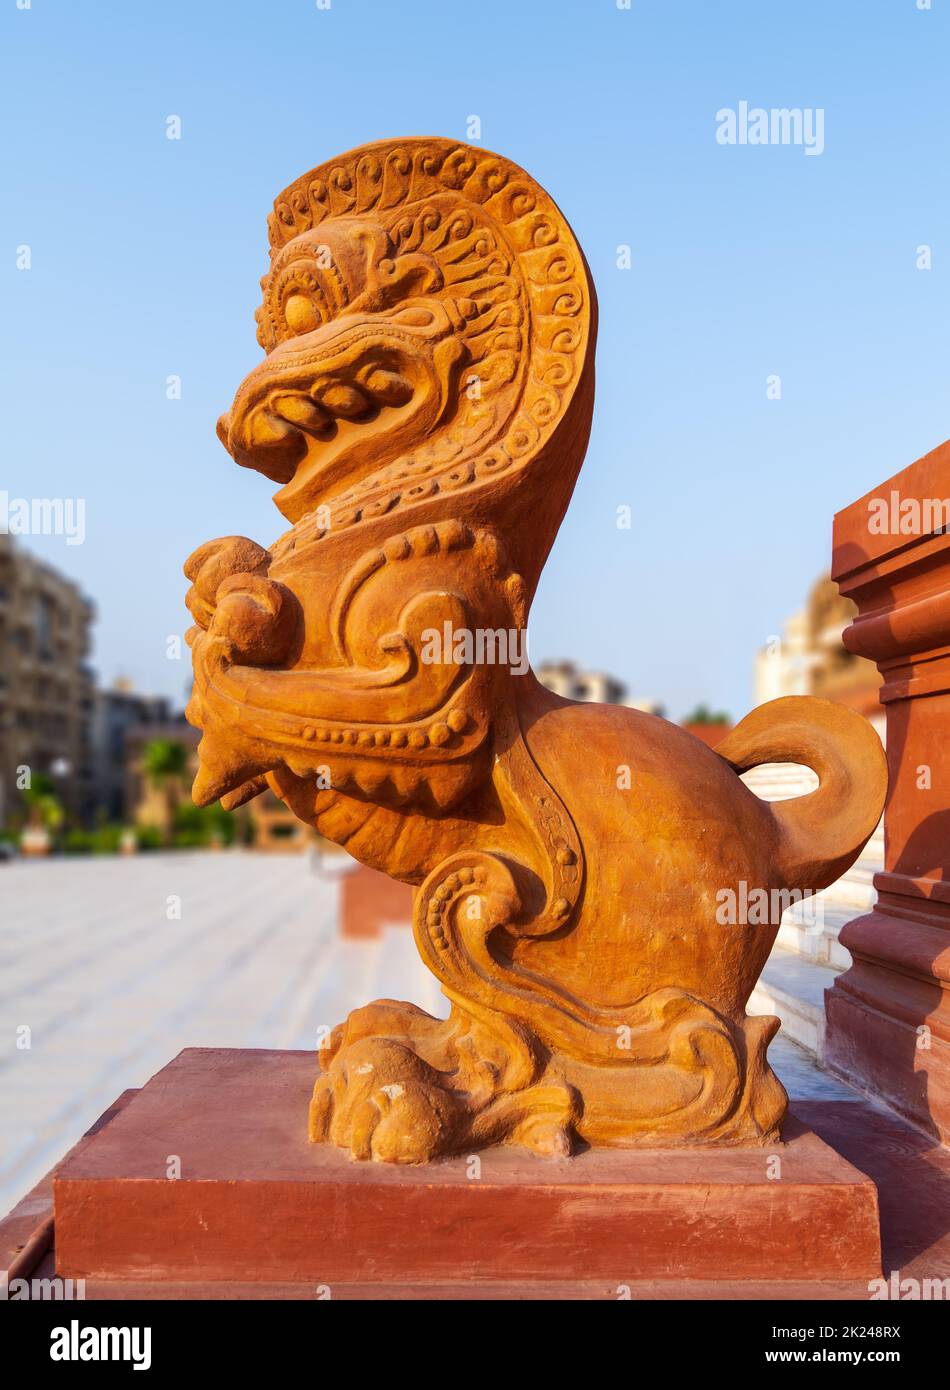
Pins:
x: 112, y: 979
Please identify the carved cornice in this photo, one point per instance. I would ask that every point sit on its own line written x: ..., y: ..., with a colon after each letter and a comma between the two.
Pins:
x: 891, y: 556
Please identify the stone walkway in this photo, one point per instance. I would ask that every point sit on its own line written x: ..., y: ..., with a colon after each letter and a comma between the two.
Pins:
x: 111, y: 989
x: 114, y: 965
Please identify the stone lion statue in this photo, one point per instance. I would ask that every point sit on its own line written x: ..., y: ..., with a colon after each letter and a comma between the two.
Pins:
x: 423, y: 404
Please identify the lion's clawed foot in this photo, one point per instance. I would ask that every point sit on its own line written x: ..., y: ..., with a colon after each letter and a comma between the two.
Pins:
x: 381, y: 1101
x: 399, y: 1086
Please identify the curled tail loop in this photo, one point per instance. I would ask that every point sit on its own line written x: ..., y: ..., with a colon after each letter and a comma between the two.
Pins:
x: 821, y: 834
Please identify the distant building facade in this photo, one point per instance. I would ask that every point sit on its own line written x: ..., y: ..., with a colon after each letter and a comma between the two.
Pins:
x: 47, y: 695
x: 122, y: 715
x: 565, y: 678
x: 809, y: 657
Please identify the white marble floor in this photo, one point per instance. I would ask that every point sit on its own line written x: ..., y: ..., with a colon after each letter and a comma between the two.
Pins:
x: 116, y: 964
x: 113, y: 965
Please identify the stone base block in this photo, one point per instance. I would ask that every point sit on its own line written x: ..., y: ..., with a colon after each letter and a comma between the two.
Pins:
x: 255, y: 1202
x: 881, y: 1052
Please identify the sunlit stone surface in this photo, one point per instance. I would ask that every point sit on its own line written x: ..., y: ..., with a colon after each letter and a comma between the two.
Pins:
x: 111, y: 989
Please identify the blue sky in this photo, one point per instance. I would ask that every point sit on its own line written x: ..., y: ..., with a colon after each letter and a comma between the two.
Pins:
x: 746, y: 262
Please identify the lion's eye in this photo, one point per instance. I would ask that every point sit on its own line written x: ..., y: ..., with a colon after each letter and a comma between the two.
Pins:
x: 301, y: 314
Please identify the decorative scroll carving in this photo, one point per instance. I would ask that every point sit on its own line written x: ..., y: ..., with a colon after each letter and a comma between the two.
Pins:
x: 424, y: 405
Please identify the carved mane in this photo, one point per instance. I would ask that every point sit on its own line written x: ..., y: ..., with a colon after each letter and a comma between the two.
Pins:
x: 474, y: 232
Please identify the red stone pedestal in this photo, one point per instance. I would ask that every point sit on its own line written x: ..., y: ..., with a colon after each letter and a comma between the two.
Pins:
x: 256, y: 1202
x: 889, y: 1015
x: 370, y: 901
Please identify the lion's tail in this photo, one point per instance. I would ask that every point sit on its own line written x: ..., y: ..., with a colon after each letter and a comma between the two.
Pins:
x: 821, y: 834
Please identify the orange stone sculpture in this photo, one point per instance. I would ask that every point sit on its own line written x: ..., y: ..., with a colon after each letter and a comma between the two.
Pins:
x: 424, y: 403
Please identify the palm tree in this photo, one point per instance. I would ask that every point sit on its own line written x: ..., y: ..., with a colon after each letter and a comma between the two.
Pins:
x: 165, y: 763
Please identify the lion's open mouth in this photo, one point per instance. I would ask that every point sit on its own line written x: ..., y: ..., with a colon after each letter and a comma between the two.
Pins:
x: 292, y: 424
x: 324, y: 410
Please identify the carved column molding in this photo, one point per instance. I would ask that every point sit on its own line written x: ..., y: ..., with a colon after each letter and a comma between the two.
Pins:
x: 889, y: 1014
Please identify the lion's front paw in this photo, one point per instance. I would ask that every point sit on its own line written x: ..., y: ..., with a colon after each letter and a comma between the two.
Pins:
x: 381, y: 1101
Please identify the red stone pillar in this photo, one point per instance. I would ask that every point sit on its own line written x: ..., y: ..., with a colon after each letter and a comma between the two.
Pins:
x: 889, y: 1015
x: 370, y: 900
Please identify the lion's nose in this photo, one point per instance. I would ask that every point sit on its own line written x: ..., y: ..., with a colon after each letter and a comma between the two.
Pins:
x: 224, y: 427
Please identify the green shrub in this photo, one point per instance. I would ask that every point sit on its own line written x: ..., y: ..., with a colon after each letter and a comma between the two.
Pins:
x: 106, y: 839
x: 196, y: 827
x: 148, y: 837
x: 78, y: 842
